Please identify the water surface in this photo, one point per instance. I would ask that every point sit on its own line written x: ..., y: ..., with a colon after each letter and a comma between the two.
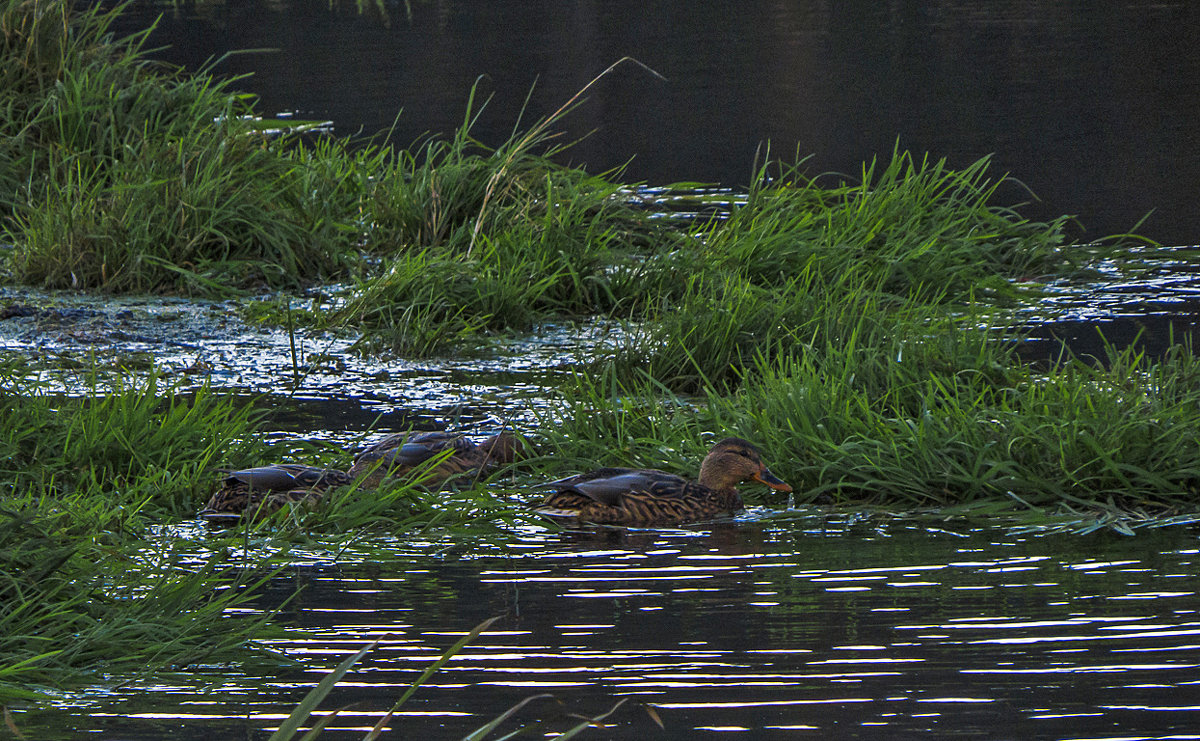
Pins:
x: 773, y: 625
x: 1092, y: 106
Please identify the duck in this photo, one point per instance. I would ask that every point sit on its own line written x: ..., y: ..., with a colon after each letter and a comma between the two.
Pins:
x: 256, y: 492
x: 397, y: 455
x: 632, y: 496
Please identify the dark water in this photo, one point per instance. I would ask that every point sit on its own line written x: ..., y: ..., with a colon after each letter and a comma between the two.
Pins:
x: 1092, y: 105
x: 791, y: 626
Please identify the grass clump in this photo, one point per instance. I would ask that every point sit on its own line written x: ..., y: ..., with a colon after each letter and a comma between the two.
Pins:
x: 125, y: 441
x: 475, y: 240
x: 1117, y: 435
x: 946, y: 428
x: 916, y: 229
x: 126, y: 176
x: 82, y: 589
x: 78, y: 600
x: 799, y: 268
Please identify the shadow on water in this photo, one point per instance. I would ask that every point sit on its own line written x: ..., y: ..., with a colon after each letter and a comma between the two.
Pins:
x: 774, y: 624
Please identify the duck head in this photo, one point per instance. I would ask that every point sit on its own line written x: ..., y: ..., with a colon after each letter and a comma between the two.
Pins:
x: 505, y: 447
x: 734, y: 460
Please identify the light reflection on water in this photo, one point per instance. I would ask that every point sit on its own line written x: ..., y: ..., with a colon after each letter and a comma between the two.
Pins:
x: 777, y: 626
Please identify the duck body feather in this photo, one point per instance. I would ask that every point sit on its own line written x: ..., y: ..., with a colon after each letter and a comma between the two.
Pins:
x: 633, y: 496
x: 398, y: 455
x: 256, y: 492
x: 639, y: 496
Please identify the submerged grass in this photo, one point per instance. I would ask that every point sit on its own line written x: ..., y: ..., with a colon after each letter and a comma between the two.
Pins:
x: 76, y: 604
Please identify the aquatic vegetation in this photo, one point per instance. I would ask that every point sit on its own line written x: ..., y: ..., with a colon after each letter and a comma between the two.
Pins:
x: 910, y: 227
x: 126, y: 440
x: 79, y: 599
x: 853, y: 425
x: 837, y: 318
x: 80, y: 586
x: 475, y: 240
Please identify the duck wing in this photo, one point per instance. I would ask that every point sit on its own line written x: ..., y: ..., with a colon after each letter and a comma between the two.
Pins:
x: 285, y: 477
x: 406, y: 451
x: 264, y: 489
x: 610, y: 485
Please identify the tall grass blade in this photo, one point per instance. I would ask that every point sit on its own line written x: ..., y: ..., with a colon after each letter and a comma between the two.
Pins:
x: 429, y: 672
x: 290, y: 725
x: 481, y: 732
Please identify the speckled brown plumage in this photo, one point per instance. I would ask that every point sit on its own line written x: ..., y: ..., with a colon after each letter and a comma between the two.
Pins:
x: 398, y: 455
x: 630, y: 496
x: 257, y: 492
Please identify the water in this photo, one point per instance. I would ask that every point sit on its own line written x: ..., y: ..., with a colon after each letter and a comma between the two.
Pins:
x: 1092, y: 107
x: 774, y: 625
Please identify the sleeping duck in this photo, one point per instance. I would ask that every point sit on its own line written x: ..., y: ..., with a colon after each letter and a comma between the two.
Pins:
x: 397, y: 455
x: 257, y: 492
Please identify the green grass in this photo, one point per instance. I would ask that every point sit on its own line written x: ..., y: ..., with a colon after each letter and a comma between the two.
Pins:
x: 126, y: 176
x: 863, y: 426
x: 79, y: 601
x: 125, y: 440
x: 908, y: 226
x: 837, y: 322
x: 82, y: 589
x: 88, y: 585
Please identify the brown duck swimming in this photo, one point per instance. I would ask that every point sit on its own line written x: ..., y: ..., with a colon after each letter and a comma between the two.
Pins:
x: 397, y: 455
x: 630, y: 496
x: 257, y: 492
